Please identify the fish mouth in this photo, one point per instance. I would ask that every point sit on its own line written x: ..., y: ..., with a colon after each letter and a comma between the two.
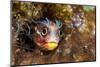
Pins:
x: 51, y: 45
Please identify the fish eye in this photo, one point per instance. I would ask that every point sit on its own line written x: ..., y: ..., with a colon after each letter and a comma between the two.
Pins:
x: 44, y: 32
x: 60, y: 33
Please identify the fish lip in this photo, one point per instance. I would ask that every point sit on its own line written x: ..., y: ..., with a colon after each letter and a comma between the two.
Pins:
x: 46, y: 46
x: 52, y: 42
